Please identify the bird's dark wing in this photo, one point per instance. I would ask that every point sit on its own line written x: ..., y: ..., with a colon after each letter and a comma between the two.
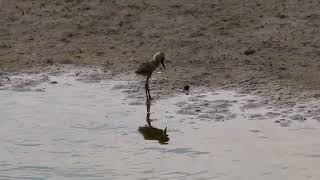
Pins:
x: 145, y: 68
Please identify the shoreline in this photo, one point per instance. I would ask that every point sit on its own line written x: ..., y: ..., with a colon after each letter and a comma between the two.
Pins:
x: 269, y: 48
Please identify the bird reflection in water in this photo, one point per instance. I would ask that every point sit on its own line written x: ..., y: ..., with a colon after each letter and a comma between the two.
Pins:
x: 151, y: 133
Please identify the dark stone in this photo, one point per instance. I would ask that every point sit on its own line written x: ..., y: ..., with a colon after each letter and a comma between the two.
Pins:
x: 282, y: 16
x: 49, y: 61
x: 249, y: 51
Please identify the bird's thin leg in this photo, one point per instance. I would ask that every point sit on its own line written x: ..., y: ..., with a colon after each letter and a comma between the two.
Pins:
x: 148, y: 120
x: 148, y: 103
x: 149, y: 93
x: 147, y: 88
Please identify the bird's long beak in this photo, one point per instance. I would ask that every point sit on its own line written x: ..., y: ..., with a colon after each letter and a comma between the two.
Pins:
x: 163, y: 65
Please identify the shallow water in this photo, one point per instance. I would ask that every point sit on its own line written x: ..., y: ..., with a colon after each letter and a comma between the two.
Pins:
x: 76, y: 130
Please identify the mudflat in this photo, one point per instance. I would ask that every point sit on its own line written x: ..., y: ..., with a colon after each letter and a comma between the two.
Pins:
x: 250, y: 45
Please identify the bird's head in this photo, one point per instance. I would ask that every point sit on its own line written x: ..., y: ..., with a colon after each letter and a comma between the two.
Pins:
x: 159, y: 57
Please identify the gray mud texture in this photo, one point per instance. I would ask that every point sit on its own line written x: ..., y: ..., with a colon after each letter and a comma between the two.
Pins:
x: 270, y: 48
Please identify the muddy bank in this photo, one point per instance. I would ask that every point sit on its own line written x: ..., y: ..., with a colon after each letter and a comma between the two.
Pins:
x: 267, y: 48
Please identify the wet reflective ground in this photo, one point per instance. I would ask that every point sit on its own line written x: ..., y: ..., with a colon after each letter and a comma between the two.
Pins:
x: 70, y: 129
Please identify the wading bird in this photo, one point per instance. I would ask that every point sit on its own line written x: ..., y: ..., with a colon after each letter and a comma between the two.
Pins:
x: 146, y: 69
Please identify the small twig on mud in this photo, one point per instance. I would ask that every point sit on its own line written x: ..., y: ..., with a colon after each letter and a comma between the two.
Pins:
x: 22, y: 12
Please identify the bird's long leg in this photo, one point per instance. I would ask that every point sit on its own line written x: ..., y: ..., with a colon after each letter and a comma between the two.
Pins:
x: 147, y: 88
x: 148, y: 103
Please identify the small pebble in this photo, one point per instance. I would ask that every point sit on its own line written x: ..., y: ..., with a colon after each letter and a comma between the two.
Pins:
x: 49, y: 61
x: 249, y: 51
x: 186, y: 88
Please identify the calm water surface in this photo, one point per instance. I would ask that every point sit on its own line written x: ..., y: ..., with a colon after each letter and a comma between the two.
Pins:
x: 77, y: 130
